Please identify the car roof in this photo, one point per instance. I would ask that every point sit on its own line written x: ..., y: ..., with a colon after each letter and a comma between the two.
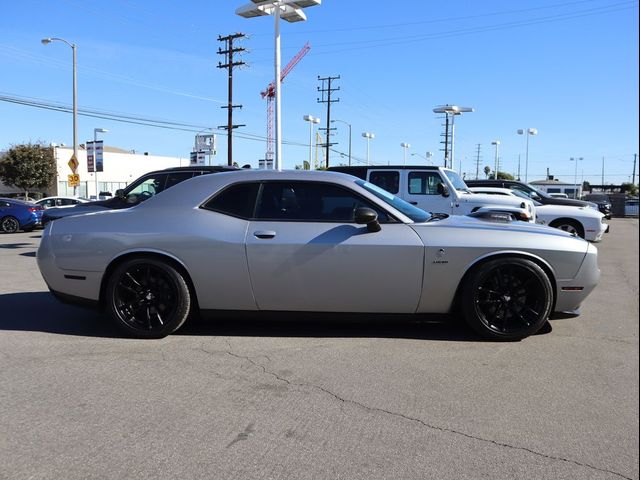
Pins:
x: 16, y: 201
x: 200, y: 189
x: 195, y: 168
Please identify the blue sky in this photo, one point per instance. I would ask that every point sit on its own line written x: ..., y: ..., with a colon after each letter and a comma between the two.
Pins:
x: 567, y: 68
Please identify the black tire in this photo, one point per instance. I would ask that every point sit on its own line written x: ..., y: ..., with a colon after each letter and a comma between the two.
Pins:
x: 9, y: 224
x: 568, y: 225
x: 507, y: 299
x: 148, y: 298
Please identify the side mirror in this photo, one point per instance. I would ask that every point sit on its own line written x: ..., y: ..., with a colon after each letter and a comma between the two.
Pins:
x: 120, y: 193
x: 442, y: 189
x: 131, y: 199
x: 367, y: 216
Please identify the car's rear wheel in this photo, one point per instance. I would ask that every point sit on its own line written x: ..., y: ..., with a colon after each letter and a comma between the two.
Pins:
x: 568, y: 225
x: 9, y: 225
x: 507, y: 299
x: 148, y: 298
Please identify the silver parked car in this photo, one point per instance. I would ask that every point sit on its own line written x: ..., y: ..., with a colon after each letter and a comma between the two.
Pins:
x: 310, y: 241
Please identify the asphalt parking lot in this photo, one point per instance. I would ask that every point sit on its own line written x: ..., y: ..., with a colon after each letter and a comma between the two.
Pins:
x: 286, y: 399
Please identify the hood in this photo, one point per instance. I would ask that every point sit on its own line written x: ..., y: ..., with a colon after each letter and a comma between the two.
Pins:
x: 565, y: 201
x: 485, y: 199
x: 470, y: 223
x: 571, y: 211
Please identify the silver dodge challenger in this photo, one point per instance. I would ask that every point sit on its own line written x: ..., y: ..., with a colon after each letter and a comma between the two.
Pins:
x: 259, y: 240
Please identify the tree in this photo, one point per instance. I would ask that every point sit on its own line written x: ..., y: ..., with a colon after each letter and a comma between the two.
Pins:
x: 505, y: 176
x: 629, y: 188
x: 487, y: 171
x: 28, y: 166
x: 586, y: 186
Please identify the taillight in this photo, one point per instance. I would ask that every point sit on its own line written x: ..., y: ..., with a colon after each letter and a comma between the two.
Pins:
x: 35, y: 209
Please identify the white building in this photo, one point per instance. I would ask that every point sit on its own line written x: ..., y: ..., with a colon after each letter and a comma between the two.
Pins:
x: 120, y: 168
x: 556, y: 186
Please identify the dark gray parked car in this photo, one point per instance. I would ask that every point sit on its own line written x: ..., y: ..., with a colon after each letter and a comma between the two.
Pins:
x: 141, y: 189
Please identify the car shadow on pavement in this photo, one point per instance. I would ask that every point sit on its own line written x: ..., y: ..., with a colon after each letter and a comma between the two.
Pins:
x: 41, y: 312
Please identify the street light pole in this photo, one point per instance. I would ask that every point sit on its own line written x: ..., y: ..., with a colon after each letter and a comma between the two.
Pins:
x: 368, y: 136
x: 575, y: 175
x: 95, y: 163
x: 405, y: 146
x: 290, y: 11
x: 311, y: 119
x: 46, y: 41
x: 528, y: 132
x: 497, y: 144
x: 349, y: 125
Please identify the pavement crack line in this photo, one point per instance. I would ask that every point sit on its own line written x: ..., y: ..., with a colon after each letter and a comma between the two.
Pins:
x: 413, y: 419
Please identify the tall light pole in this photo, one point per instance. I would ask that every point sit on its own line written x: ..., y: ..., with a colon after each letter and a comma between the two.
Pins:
x: 497, y: 144
x: 95, y: 164
x: 46, y: 41
x: 348, y: 125
x: 311, y: 119
x: 575, y: 175
x: 405, y: 146
x: 289, y: 11
x: 528, y: 132
x: 368, y: 136
x: 452, y: 110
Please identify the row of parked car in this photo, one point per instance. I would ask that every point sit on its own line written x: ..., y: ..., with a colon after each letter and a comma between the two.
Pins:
x: 398, y: 240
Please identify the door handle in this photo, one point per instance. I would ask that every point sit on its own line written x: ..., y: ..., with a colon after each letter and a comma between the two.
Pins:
x: 413, y: 203
x: 265, y: 234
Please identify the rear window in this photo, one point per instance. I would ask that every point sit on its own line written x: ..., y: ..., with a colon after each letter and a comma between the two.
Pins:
x: 237, y: 200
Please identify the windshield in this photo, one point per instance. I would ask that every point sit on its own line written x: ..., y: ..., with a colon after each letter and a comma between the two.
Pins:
x: 538, y: 192
x: 414, y: 213
x: 456, y: 181
x: 521, y: 194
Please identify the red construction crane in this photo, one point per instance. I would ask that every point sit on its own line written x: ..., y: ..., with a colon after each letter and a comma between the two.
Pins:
x: 270, y: 94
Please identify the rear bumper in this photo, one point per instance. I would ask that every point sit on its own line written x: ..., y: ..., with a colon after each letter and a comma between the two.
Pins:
x: 571, y: 293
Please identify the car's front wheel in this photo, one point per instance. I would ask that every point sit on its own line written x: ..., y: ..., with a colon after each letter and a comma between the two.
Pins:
x: 148, y: 298
x: 9, y: 225
x: 507, y: 299
x: 569, y: 225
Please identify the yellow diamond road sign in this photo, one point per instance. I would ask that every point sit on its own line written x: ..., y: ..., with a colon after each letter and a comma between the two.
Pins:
x: 73, y: 163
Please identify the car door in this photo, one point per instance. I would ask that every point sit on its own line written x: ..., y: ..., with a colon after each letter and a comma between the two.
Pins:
x: 421, y: 189
x: 306, y: 253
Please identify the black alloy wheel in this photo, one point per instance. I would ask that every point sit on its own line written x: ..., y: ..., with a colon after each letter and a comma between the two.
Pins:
x: 148, y: 298
x: 507, y: 299
x: 9, y: 225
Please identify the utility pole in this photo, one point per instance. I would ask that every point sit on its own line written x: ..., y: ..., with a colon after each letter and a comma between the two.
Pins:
x: 326, y: 91
x: 446, y: 140
x: 602, y: 181
x: 478, y: 160
x: 633, y: 178
x: 229, y: 64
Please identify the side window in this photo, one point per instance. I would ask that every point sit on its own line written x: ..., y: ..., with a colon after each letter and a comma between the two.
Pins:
x: 236, y: 200
x: 149, y: 186
x: 388, y: 180
x: 67, y: 201
x: 176, y: 178
x: 424, y: 183
x: 310, y: 201
x: 49, y: 203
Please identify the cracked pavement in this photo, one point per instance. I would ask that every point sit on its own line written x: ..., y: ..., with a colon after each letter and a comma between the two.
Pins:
x: 280, y: 398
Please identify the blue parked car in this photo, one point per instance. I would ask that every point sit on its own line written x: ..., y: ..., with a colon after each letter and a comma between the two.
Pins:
x: 19, y: 215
